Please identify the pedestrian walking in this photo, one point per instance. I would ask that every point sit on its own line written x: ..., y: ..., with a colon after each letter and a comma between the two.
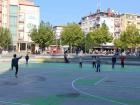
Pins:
x: 27, y: 58
x: 14, y: 63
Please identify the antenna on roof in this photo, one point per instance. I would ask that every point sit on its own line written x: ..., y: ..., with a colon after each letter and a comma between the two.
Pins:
x: 98, y: 5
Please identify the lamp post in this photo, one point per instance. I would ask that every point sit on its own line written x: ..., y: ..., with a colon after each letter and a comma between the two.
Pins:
x: 85, y: 34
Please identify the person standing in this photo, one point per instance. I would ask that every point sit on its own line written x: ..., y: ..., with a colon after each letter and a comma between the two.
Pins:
x: 122, y: 58
x: 94, y: 62
x: 14, y: 63
x: 113, y: 61
x: 27, y: 58
x: 66, y: 57
x: 80, y: 62
x: 80, y: 59
x: 98, y: 63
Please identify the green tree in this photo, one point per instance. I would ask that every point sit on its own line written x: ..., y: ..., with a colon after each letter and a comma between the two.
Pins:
x: 103, y: 35
x: 5, y: 38
x: 130, y: 38
x: 90, y: 41
x: 43, y: 35
x: 119, y: 44
x: 72, y: 35
x: 98, y: 36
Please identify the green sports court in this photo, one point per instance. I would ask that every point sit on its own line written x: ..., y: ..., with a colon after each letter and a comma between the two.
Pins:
x: 67, y: 84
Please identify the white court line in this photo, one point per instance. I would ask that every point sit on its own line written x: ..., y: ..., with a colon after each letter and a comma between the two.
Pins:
x: 91, y: 95
x: 98, y: 82
x: 6, y: 102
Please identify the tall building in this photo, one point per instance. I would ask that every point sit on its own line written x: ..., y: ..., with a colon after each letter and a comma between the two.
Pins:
x: 4, y: 13
x: 28, y: 18
x: 57, y: 31
x: 20, y: 16
x: 13, y: 21
x: 127, y: 19
x: 94, y: 20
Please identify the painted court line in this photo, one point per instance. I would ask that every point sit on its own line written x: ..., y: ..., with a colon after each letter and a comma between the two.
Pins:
x: 98, y: 82
x: 6, y: 102
x: 88, y: 94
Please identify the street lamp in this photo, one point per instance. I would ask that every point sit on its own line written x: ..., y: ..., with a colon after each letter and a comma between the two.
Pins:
x: 85, y: 34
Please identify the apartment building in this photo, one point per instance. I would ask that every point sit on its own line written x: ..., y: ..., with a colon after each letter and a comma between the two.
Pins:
x: 20, y: 16
x: 57, y: 31
x: 127, y: 19
x: 28, y: 18
x: 4, y: 13
x: 94, y: 20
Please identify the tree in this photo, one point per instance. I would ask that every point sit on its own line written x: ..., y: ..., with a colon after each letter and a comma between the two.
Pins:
x: 99, y: 36
x: 43, y: 35
x: 72, y: 35
x: 119, y: 44
x: 90, y: 41
x: 5, y: 38
x: 129, y: 38
x: 103, y: 35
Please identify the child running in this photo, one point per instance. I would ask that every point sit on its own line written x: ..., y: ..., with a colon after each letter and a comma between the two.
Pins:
x: 14, y: 63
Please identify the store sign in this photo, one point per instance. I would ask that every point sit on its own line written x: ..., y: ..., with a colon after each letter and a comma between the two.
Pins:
x: 31, y: 20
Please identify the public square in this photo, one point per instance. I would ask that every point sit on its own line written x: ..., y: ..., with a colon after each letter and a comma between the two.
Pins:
x: 67, y: 84
x: 69, y: 52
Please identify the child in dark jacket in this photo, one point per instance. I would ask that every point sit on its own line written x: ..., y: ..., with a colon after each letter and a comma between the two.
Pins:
x: 14, y: 63
x: 27, y: 58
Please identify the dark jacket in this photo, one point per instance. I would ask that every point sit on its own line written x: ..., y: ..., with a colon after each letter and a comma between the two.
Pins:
x: 15, y: 61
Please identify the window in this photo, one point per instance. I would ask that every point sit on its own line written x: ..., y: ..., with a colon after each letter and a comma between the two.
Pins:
x: 13, y: 10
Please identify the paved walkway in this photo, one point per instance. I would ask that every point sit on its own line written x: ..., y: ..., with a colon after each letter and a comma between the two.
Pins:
x: 67, y: 84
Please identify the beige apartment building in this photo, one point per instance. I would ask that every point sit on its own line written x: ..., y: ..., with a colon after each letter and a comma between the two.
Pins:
x: 28, y: 18
x: 127, y: 19
x: 20, y: 16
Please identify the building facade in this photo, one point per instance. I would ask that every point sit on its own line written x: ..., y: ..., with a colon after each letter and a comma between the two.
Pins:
x: 13, y: 21
x: 57, y: 31
x: 95, y: 20
x: 4, y: 13
x: 127, y: 19
x: 29, y: 17
x: 20, y: 16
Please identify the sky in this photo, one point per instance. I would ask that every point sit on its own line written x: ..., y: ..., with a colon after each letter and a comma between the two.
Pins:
x: 60, y: 12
